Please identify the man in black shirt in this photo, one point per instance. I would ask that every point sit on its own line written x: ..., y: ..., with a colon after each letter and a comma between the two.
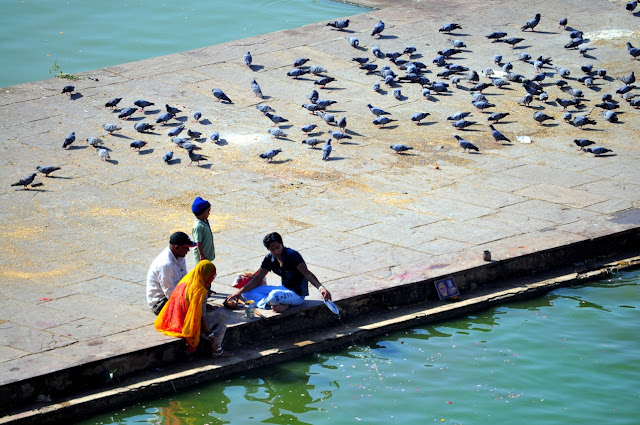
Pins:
x: 290, y: 266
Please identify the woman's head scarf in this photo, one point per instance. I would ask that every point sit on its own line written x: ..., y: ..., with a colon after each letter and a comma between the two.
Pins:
x: 182, y: 315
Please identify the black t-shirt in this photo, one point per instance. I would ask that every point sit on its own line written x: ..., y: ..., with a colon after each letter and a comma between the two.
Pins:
x: 291, y: 277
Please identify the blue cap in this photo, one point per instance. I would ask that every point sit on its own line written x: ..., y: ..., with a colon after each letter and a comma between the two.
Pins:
x: 199, y: 206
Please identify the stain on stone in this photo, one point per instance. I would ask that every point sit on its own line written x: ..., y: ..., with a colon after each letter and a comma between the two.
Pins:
x: 630, y: 216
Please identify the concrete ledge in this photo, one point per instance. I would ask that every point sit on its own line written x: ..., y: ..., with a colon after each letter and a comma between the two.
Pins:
x: 279, y: 338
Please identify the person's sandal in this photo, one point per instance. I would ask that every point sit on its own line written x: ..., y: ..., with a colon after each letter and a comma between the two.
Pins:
x: 220, y: 353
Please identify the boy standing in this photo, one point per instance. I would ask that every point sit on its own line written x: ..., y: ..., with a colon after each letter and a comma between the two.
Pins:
x: 202, y: 235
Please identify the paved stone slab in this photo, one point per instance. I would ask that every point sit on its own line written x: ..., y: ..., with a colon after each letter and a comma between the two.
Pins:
x: 77, y: 248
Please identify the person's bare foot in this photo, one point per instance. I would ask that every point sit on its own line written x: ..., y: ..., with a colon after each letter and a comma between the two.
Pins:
x: 280, y: 307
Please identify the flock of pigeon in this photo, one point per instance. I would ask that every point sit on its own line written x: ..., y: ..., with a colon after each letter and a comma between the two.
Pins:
x: 449, y: 73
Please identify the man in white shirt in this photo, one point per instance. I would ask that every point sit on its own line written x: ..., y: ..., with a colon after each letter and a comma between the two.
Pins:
x: 166, y: 271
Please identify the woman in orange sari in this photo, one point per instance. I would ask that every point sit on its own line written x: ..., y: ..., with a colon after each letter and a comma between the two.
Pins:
x: 186, y: 316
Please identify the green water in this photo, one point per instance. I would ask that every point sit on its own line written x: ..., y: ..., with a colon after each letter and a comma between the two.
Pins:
x: 81, y: 35
x: 571, y: 357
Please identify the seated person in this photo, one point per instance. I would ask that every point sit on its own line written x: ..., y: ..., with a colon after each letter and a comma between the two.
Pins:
x: 187, y: 315
x: 166, y: 271
x: 289, y: 265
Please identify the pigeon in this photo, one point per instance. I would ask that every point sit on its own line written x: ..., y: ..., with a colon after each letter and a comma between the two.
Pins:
x: 628, y: 79
x: 393, y: 55
x: 297, y: 72
x: 326, y: 150
x: 323, y: 81
x: 582, y: 120
x: 377, y: 30
x: 47, y: 170
x: 531, y: 23
x: 472, y: 77
x: 625, y: 89
x: 69, y: 140
x: 448, y: 27
x: 338, y: 135
x: 480, y: 86
x: 567, y: 116
x: 110, y: 128
x: 264, y: 109
x: 180, y: 141
x: 417, y: 117
x: 497, y: 116
x: 172, y: 110
x: 219, y: 94
x: 576, y: 93
x: 127, y: 112
x: 68, y: 90
x: 381, y: 121
x: 633, y: 51
x: 458, y: 116
x: 247, y: 58
x: 175, y: 131
x: 524, y: 57
x: 564, y: 103
x: 143, y: 127
x: 458, y: 44
x: 113, y: 103
x: 369, y: 67
x: 496, y: 35
x: 388, y: 80
x: 167, y: 157
x: 324, y: 103
x: 582, y: 143
x: 610, y: 116
x: 574, y: 43
x: 188, y: 146
x: 196, y: 116
x: 138, y: 144
x: 399, y: 148
x: 360, y: 60
x: 317, y: 69
x: 299, y: 62
x: 466, y: 145
x: 561, y: 83
x: 103, y: 154
x: 377, y: 111
x: 526, y: 99
x: 276, y: 119
x: 397, y: 94
x: 497, y: 136
x: 512, y: 41
x: 482, y: 105
x: 268, y: 155
x: 312, y: 107
x: 328, y: 118
x: 25, y: 182
x: 342, y: 124
x: 377, y: 52
x: 312, y: 142
x: 215, y: 137
x: 276, y: 132
x: 354, y: 42
x: 541, y: 117
x: 608, y: 105
x: 164, y: 118
x: 339, y: 25
x: 255, y: 88
x: 141, y: 103
x: 94, y: 141
x: 499, y: 82
x: 313, y: 96
x: 196, y: 157
x: 543, y: 97
x: 426, y: 93
x: 308, y: 128
x: 194, y: 134
x: 410, y: 50
x: 563, y: 23
x: 462, y: 124
x: 497, y: 59
x: 598, y: 150
x: 631, y: 6
x: 635, y: 103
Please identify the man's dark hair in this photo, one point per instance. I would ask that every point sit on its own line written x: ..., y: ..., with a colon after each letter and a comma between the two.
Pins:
x: 272, y: 237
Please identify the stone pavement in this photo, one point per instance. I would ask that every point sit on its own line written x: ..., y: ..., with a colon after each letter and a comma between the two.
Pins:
x: 76, y: 249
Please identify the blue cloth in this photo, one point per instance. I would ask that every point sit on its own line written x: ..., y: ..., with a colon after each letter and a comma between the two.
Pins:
x: 291, y: 277
x: 199, y: 205
x: 264, y: 296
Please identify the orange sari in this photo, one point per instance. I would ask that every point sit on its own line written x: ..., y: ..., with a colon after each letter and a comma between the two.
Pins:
x: 182, y: 315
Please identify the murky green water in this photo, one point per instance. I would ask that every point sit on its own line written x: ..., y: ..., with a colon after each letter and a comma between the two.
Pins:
x: 571, y: 357
x: 81, y: 35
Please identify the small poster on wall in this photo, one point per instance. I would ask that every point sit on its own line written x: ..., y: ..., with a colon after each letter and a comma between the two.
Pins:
x: 447, y: 288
